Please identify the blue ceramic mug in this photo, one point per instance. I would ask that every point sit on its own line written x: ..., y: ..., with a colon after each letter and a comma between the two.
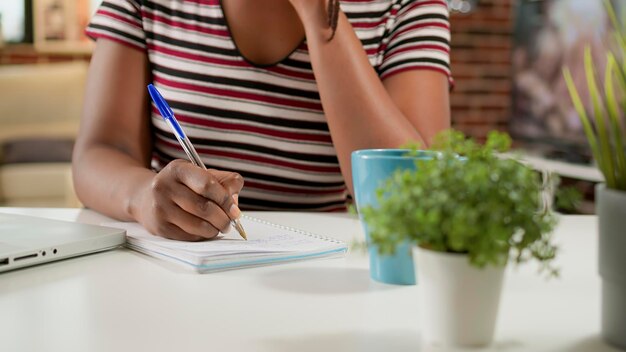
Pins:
x: 370, y: 169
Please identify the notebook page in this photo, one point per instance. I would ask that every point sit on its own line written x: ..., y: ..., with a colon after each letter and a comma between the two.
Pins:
x: 262, y: 238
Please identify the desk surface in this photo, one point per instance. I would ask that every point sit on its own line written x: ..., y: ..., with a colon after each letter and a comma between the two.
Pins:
x: 575, y: 171
x: 125, y: 301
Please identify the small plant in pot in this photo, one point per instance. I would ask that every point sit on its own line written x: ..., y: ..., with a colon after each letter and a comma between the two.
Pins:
x: 604, y: 127
x: 467, y: 217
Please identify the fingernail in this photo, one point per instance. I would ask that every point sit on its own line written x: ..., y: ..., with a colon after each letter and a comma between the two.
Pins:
x: 236, y: 198
x: 234, y: 212
x: 227, y: 230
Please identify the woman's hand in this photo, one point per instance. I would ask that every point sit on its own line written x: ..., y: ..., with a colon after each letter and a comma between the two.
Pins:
x: 111, y: 170
x: 185, y: 202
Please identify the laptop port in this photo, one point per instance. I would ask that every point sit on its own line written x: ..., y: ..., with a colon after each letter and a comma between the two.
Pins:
x: 4, y: 261
x: 28, y: 256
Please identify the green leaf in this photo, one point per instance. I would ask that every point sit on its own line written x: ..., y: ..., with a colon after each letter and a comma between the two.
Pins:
x: 604, y: 147
x: 612, y: 109
x: 621, y: 72
x: 582, y: 113
x: 619, y: 29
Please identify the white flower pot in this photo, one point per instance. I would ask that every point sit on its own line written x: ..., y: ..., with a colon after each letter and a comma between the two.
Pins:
x: 458, y: 302
x: 611, y: 209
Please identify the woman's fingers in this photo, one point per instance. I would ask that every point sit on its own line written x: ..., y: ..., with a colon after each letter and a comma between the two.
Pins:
x: 192, y: 225
x: 201, y: 207
x: 207, y: 185
x: 232, y: 181
x: 191, y: 204
x: 174, y: 232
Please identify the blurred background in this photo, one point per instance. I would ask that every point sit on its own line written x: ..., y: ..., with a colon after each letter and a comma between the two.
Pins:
x: 507, y: 57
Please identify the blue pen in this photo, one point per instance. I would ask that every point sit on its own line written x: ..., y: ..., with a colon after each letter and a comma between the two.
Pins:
x: 170, y: 119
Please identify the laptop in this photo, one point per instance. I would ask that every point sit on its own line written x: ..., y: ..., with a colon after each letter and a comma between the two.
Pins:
x: 27, y: 240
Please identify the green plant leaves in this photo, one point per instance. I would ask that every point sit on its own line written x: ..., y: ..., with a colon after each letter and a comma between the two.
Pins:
x: 604, y: 146
x: 469, y: 199
x: 582, y: 113
x: 620, y: 29
x: 606, y: 138
x: 612, y: 110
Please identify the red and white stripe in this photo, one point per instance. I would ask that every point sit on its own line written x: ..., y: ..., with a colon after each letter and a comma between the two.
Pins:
x: 265, y: 122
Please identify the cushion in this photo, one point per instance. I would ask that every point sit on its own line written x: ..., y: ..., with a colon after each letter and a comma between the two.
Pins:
x: 37, y: 150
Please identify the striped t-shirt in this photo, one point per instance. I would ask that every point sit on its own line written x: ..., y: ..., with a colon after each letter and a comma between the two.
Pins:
x: 264, y: 122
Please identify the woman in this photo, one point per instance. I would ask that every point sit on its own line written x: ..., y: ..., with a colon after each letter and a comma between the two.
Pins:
x: 258, y: 101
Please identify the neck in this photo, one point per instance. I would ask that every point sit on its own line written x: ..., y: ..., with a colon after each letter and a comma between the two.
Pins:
x: 264, y: 31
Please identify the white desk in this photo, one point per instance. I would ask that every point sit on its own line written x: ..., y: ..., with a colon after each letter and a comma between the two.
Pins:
x: 124, y: 301
x: 575, y: 171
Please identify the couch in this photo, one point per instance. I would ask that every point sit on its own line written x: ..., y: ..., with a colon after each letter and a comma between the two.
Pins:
x: 40, y: 107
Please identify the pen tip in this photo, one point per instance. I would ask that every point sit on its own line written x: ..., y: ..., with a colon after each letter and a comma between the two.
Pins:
x: 240, y: 229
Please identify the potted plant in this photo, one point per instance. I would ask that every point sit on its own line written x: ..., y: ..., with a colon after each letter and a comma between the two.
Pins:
x: 466, y: 216
x: 605, y: 134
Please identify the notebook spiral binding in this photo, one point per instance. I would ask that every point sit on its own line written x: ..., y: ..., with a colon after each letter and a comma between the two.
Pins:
x: 292, y: 229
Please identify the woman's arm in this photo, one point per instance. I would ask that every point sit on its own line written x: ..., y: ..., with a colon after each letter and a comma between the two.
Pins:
x: 112, y: 155
x: 112, y: 152
x: 363, y: 111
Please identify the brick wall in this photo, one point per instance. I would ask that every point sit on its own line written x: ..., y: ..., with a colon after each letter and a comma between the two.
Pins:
x: 481, y: 65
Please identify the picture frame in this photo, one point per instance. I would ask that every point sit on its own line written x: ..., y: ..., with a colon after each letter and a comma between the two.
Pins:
x: 58, y: 26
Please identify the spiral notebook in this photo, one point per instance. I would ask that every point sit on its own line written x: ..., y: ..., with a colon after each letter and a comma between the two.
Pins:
x: 267, y: 243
